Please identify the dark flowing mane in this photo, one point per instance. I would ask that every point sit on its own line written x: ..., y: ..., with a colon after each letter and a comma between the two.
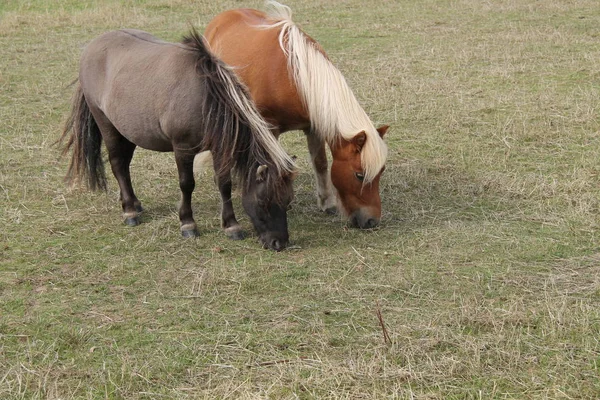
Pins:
x: 238, y: 137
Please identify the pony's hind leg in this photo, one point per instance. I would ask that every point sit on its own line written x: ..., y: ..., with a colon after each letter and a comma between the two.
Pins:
x: 230, y: 225
x: 120, y: 152
x: 120, y: 160
x: 326, y: 199
x: 185, y: 168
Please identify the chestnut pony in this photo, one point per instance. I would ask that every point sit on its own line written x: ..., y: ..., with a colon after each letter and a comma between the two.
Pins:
x: 295, y: 86
x: 135, y: 90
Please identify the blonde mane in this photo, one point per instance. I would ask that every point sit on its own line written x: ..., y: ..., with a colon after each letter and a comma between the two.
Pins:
x: 260, y: 128
x: 332, y: 107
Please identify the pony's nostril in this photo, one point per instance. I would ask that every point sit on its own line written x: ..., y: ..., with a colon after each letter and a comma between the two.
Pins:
x: 275, y: 245
x: 371, y: 223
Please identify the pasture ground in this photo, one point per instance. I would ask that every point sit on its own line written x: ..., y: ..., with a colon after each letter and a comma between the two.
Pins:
x: 485, y: 270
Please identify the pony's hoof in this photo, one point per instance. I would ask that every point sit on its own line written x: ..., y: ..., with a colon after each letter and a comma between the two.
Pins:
x: 331, y: 210
x: 235, y: 232
x: 190, y: 233
x: 132, y: 221
x: 236, y: 235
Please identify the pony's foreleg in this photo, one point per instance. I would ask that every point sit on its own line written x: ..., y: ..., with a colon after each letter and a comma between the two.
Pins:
x: 185, y: 168
x: 230, y: 225
x: 326, y: 199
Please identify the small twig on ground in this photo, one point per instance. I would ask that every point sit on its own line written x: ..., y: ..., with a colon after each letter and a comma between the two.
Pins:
x: 386, y: 335
x: 275, y: 362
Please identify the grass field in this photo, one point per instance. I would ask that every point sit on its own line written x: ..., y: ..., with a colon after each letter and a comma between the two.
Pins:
x: 485, y: 269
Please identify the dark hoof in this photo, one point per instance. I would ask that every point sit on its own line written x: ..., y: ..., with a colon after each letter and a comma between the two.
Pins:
x: 132, y: 221
x: 191, y: 233
x: 237, y: 235
x: 331, y: 211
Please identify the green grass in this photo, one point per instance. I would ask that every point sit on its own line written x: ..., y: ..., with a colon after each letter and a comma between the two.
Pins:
x: 486, y: 267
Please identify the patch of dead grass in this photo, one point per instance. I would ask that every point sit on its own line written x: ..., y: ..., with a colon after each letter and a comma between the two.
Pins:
x: 484, y: 269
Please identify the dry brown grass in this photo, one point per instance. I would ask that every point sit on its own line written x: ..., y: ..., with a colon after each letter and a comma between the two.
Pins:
x: 485, y: 269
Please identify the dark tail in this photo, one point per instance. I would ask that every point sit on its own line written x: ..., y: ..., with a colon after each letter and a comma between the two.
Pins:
x: 85, y: 142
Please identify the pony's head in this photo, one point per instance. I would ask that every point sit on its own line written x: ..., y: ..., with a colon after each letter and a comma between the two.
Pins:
x: 266, y: 199
x: 359, y: 199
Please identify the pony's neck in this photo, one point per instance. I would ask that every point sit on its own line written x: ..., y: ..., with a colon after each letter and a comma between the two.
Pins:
x: 234, y: 130
x: 333, y: 109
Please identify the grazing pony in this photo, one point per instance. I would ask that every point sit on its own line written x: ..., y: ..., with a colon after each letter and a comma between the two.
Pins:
x: 136, y: 90
x: 295, y: 86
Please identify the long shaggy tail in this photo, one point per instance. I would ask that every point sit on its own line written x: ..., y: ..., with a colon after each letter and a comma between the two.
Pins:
x: 84, y: 140
x: 234, y: 128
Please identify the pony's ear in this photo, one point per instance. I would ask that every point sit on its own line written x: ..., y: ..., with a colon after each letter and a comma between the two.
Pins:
x: 261, y: 173
x: 359, y: 140
x: 383, y: 130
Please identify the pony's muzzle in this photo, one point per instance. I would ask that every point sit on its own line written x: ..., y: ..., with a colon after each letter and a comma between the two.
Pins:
x: 273, y: 243
x: 277, y: 245
x: 363, y: 221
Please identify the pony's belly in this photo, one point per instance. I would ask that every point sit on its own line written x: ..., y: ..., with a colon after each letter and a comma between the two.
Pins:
x: 144, y: 134
x: 154, y: 145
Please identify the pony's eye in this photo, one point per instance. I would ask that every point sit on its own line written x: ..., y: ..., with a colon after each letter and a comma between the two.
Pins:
x: 359, y: 176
